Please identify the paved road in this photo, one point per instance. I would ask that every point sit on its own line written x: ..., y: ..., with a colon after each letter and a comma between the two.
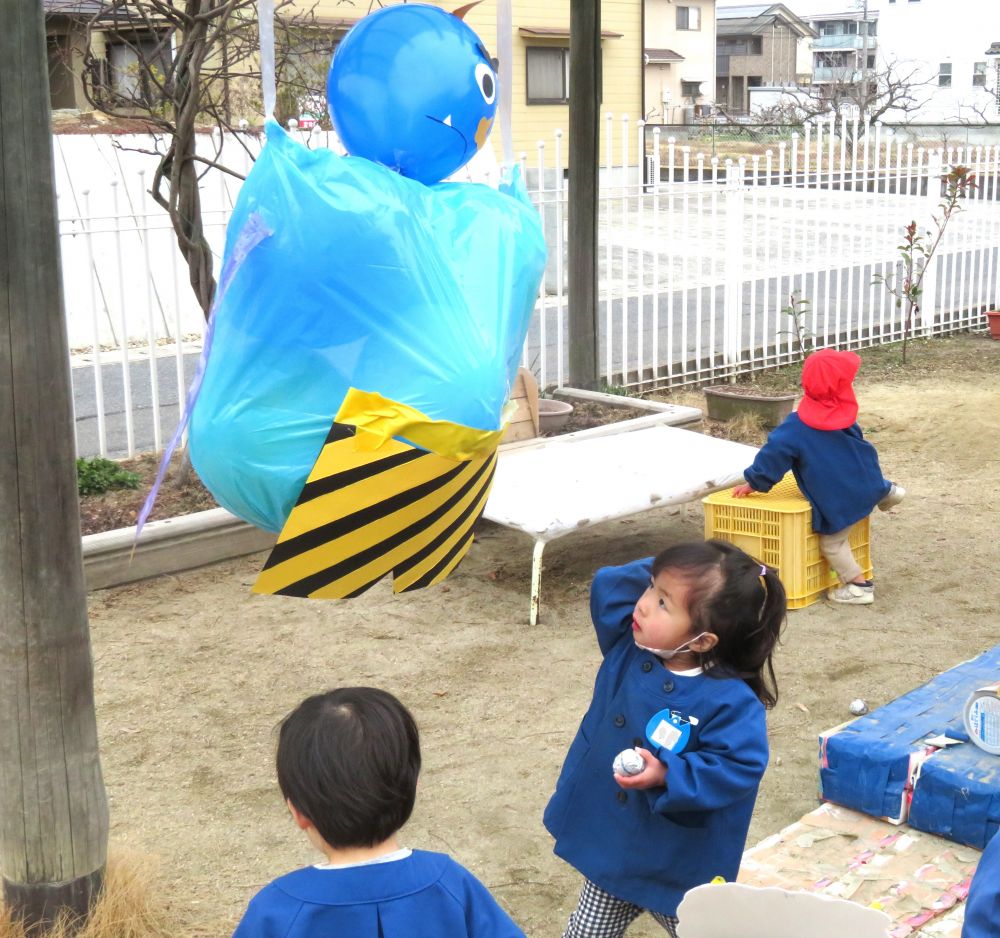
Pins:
x: 698, y: 344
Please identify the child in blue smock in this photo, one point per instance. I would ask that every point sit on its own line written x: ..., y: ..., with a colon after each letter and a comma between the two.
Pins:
x: 982, y: 908
x: 834, y: 466
x: 347, y: 764
x: 687, y: 640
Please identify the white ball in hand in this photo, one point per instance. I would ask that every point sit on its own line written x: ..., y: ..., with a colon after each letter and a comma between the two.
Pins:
x: 628, y: 762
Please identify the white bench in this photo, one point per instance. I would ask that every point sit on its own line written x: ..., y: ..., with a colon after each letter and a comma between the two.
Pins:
x: 548, y: 488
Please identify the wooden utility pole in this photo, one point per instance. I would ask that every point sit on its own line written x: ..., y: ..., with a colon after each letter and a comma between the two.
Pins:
x: 584, y: 147
x: 53, y: 809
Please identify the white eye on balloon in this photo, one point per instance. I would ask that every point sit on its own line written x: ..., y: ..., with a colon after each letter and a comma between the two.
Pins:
x: 487, y: 82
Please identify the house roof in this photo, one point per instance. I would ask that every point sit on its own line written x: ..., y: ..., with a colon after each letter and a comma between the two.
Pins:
x: 559, y: 32
x: 842, y: 15
x: 73, y: 7
x: 756, y: 18
x: 662, y: 56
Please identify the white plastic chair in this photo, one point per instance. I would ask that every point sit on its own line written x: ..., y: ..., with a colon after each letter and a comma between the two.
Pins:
x: 733, y: 910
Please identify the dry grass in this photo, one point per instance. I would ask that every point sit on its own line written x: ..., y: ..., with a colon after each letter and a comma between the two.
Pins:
x: 746, y: 428
x: 130, y: 906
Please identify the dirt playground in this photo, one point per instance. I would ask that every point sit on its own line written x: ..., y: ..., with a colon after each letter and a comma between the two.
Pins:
x: 193, y: 672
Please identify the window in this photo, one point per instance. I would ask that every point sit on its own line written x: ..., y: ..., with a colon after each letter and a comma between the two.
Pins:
x: 871, y: 61
x: 137, y: 64
x: 303, y: 61
x: 944, y: 75
x: 744, y: 45
x: 548, y: 75
x: 689, y: 17
x: 691, y: 89
x: 978, y: 74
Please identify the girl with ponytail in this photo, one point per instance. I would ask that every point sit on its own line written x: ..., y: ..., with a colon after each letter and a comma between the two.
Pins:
x: 687, y: 639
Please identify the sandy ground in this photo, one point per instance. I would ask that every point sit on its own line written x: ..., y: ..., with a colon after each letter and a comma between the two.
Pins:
x: 193, y: 673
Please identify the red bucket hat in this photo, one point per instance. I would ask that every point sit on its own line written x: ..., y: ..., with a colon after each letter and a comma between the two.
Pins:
x: 829, y: 402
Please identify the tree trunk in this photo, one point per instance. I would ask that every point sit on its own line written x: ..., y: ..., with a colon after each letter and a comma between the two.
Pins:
x: 53, y: 810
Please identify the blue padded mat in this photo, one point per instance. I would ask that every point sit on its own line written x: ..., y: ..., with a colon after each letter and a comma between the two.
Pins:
x: 866, y: 765
x: 958, y: 795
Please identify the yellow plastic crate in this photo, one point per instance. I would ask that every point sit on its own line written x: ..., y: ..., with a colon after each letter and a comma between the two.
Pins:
x: 776, y: 529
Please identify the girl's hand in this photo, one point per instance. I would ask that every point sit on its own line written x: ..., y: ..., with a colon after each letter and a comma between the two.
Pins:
x: 741, y: 490
x: 652, y: 776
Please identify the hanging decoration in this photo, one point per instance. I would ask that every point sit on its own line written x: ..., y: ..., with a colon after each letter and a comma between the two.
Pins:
x: 372, y: 320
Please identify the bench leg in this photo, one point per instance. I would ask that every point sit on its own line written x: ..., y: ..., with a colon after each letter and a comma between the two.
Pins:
x: 536, y: 581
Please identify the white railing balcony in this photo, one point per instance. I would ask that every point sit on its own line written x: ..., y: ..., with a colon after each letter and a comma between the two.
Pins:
x: 828, y: 43
x: 838, y: 73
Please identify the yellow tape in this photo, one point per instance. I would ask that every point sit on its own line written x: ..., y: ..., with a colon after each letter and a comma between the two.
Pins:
x: 379, y: 419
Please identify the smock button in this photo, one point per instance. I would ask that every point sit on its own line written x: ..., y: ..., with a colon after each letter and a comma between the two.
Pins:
x: 622, y: 796
x: 637, y: 743
x: 647, y: 666
x: 619, y: 720
x: 668, y: 686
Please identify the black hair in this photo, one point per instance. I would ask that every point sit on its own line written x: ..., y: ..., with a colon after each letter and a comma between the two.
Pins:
x: 729, y: 595
x: 348, y: 760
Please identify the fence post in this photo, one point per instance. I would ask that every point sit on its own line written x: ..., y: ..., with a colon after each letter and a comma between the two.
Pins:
x: 732, y: 304
x: 928, y: 293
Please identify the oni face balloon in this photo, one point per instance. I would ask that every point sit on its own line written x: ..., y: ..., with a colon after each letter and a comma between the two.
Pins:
x: 413, y: 88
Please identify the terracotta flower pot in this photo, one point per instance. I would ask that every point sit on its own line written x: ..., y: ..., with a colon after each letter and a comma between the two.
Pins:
x: 994, y: 320
x: 552, y: 415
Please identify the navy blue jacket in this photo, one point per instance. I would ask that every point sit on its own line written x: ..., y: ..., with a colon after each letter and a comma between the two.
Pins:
x: 423, y: 894
x: 982, y: 908
x: 837, y: 470
x: 650, y: 846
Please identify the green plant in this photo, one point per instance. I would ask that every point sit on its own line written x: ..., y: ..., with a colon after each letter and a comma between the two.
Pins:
x: 617, y: 389
x: 96, y: 475
x: 917, y: 249
x: 796, y: 311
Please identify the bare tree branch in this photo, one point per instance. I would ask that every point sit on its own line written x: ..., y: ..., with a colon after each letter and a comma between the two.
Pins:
x: 892, y: 86
x: 192, y: 65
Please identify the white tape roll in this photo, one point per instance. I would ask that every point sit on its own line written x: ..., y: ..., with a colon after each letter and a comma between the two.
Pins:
x: 982, y: 718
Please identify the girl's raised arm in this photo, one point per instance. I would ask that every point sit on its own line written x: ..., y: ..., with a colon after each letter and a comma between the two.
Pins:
x: 613, y: 596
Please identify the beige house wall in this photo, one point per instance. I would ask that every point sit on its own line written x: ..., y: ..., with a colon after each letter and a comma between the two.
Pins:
x: 663, y: 100
x: 622, y: 79
x: 65, y: 43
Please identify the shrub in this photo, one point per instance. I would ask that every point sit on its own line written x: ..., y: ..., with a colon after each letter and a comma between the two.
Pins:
x: 97, y: 475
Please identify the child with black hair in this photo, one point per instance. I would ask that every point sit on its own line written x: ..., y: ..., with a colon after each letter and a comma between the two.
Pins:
x: 687, y: 640
x: 348, y: 762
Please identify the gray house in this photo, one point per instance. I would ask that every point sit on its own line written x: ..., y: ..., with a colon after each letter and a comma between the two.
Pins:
x: 757, y: 45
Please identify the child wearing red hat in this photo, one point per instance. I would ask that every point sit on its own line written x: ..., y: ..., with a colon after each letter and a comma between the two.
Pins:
x: 836, y: 469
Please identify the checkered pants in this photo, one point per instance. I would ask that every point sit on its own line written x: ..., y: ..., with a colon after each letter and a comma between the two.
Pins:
x: 600, y: 915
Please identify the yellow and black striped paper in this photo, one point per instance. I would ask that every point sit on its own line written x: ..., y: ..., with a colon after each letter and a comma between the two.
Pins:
x: 365, y: 513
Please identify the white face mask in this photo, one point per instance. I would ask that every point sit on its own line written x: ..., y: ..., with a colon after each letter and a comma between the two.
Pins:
x: 665, y: 654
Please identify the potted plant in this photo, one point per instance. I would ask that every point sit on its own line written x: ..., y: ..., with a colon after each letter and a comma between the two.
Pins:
x: 728, y: 402
x: 993, y: 317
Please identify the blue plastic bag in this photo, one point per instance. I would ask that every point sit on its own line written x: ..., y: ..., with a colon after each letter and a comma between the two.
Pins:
x: 355, y: 276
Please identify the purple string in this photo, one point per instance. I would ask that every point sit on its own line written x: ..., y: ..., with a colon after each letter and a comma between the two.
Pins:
x: 254, y: 231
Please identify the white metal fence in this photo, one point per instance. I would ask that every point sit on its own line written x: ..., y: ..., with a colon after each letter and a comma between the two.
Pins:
x: 698, y: 255
x: 701, y: 256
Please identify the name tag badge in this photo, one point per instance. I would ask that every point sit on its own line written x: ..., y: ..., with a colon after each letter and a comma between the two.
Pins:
x: 667, y: 730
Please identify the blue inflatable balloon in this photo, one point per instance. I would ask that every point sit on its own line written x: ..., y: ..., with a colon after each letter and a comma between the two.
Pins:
x: 413, y: 88
x: 341, y: 273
